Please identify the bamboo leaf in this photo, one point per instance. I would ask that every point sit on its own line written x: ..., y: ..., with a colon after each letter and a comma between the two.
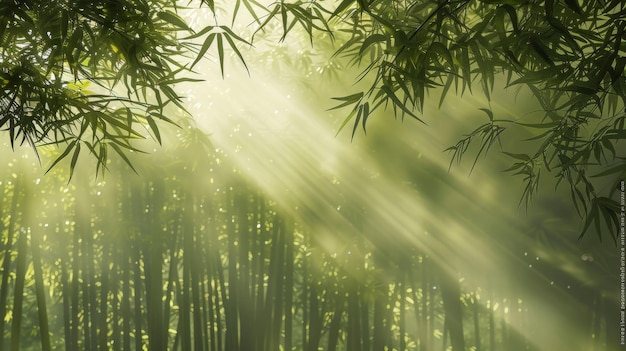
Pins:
x: 347, y: 100
x: 372, y: 39
x: 220, y: 51
x: 172, y: 18
x: 67, y: 150
x: 205, y: 46
x: 154, y: 128
x: 446, y: 88
x: 574, y: 6
x: 390, y: 94
x: 621, y: 169
x: 74, y: 160
x: 512, y: 15
x: 441, y: 50
x: 122, y: 155
x: 488, y: 112
x: 236, y: 50
x: 342, y: 6
x: 345, y: 121
x: 522, y: 157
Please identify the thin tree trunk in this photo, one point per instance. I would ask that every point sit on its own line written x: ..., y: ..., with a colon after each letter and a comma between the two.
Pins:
x: 365, y: 324
x: 116, y: 334
x: 75, y: 263
x: 304, y: 297
x: 505, y: 332
x: 277, y: 271
x: 315, y: 322
x: 89, y: 288
x: 44, y: 331
x: 184, y: 330
x: 67, y: 312
x: 231, y: 306
x: 379, y: 320
x: 244, y: 298
x: 137, y: 292
x: 475, y: 310
x: 354, y: 318
x: 431, y: 314
x: 103, y: 329
x: 222, y: 334
x: 261, y: 273
x: 402, y: 319
x: 289, y: 282
x: 171, y: 280
x: 335, y: 326
x: 126, y: 297
x: 425, y: 331
x: 451, y: 296
x: 18, y: 293
x: 417, y: 304
x: 154, y: 293
x: 6, y: 262
x: 492, y: 327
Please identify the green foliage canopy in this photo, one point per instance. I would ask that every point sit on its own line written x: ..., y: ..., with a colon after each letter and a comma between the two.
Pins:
x: 569, y: 55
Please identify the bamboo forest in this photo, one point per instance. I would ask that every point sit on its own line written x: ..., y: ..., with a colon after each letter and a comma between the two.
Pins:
x: 288, y: 175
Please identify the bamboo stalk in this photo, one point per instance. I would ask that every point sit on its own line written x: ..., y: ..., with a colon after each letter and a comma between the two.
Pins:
x: 379, y: 339
x: 365, y: 324
x: 116, y: 332
x: 451, y: 296
x: 289, y: 284
x: 334, y: 328
x: 126, y: 297
x: 42, y: 312
x: 244, y: 296
x: 279, y: 273
x: 136, y: 294
x: 475, y: 312
x: 18, y: 292
x: 66, y: 300
x: 425, y: 331
x: 102, y: 319
x: 6, y: 260
x: 304, y: 298
x: 354, y: 317
x: 221, y: 298
x: 171, y: 279
x: 75, y: 285
x: 315, y: 321
x: 184, y: 331
x: 231, y: 307
x: 262, y: 267
x: 195, y: 254
x: 402, y: 314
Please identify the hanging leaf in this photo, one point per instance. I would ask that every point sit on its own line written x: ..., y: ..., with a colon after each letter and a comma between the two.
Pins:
x: 174, y: 19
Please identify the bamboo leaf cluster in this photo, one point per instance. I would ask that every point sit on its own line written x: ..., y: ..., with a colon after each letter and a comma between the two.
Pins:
x: 568, y: 56
x: 96, y: 77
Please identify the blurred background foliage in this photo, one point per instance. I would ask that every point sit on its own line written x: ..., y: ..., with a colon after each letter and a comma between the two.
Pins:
x: 254, y: 228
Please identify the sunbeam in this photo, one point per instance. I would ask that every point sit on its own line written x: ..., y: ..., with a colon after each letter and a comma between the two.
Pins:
x: 282, y: 137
